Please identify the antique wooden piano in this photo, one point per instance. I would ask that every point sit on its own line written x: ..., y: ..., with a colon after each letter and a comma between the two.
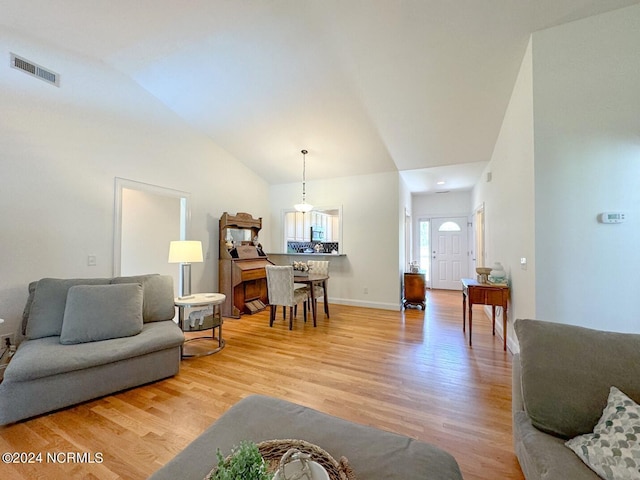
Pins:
x: 242, y: 275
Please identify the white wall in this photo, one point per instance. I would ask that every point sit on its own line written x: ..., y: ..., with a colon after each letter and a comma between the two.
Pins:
x: 63, y: 147
x: 406, y: 228
x: 370, y: 210
x: 509, y: 200
x: 452, y: 204
x: 587, y: 144
x: 149, y: 223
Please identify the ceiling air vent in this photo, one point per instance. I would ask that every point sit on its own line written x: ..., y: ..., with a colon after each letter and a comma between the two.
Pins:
x: 35, y: 70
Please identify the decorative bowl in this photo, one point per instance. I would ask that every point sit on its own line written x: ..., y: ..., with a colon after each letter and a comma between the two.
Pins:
x: 294, y: 468
x: 483, y: 270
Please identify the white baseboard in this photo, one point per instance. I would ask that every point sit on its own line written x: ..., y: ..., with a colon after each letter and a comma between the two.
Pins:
x: 512, y: 342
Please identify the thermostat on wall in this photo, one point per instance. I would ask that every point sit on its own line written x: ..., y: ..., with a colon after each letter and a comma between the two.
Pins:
x: 611, y: 217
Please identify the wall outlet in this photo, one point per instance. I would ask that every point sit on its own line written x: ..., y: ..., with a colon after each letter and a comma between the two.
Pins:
x: 92, y: 260
x: 365, y: 290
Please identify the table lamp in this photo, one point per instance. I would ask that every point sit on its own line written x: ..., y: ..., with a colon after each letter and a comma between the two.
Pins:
x: 185, y: 252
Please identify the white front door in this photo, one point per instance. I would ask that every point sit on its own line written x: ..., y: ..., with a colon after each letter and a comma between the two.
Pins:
x: 449, y: 252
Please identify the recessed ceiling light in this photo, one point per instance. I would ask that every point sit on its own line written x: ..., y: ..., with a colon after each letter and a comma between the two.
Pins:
x: 440, y: 182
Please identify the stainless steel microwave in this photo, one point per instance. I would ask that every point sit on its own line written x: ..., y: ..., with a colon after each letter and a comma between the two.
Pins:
x: 317, y: 234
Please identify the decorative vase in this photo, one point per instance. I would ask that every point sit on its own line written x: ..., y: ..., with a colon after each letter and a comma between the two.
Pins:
x: 296, y: 465
x: 497, y: 274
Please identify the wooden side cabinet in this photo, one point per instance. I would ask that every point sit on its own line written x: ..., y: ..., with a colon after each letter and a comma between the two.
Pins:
x: 415, y: 289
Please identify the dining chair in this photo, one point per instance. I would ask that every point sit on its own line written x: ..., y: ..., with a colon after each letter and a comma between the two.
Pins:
x: 320, y: 267
x: 282, y: 292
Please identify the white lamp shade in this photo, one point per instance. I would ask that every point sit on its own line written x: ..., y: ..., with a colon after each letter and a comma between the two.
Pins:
x: 185, y: 251
x: 303, y: 207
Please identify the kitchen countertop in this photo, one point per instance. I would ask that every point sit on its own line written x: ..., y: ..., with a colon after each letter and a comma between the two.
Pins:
x: 309, y: 254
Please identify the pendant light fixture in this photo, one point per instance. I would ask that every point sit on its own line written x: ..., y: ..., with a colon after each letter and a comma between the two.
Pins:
x: 304, y: 206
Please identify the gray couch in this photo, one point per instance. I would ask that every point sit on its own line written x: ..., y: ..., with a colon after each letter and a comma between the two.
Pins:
x: 561, y: 381
x: 372, y: 454
x: 85, y: 338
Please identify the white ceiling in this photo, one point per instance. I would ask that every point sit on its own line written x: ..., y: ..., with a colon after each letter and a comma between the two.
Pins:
x: 366, y: 86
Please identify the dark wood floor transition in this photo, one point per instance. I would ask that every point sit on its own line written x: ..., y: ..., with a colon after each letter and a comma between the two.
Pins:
x: 408, y: 372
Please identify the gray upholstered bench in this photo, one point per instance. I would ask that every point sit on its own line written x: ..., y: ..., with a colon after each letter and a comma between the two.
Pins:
x: 373, y: 454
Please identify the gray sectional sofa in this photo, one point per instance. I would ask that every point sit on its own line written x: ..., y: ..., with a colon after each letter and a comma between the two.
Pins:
x: 85, y: 338
x: 562, y: 382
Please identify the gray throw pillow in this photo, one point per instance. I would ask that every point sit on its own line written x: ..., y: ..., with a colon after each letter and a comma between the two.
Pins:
x: 46, y: 309
x: 102, y: 312
x: 567, y: 372
x: 157, y: 295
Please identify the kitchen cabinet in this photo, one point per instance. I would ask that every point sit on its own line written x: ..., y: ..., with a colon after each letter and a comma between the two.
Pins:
x: 315, y: 218
x: 328, y: 230
x: 335, y: 228
x: 298, y: 226
x: 291, y: 225
x: 306, y: 229
x: 319, y: 220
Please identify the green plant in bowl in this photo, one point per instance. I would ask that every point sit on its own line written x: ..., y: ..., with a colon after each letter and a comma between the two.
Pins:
x: 244, y: 463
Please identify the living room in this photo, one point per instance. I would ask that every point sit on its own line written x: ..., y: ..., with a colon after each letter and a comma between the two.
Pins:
x: 567, y: 150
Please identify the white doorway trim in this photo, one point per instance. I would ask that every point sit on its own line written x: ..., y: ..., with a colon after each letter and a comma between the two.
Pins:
x: 408, y: 240
x: 123, y: 183
x: 478, y: 230
x: 423, y: 253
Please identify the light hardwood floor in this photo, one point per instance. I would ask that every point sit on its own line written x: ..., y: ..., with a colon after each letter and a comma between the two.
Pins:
x: 408, y: 372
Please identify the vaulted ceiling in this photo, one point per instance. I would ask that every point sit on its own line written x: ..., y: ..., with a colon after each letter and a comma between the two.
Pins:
x: 366, y: 86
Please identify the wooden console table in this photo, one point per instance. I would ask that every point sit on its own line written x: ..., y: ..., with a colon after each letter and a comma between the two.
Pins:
x: 485, y: 294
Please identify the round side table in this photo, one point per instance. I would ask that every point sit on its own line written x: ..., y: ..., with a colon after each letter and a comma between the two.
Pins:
x: 199, y: 321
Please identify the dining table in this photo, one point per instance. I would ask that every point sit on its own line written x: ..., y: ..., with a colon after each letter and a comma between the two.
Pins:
x: 311, y: 280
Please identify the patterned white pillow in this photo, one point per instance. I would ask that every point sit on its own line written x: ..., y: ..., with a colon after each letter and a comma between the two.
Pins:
x: 613, y: 449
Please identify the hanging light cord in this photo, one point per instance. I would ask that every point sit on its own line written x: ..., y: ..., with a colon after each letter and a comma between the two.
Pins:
x: 304, y: 175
